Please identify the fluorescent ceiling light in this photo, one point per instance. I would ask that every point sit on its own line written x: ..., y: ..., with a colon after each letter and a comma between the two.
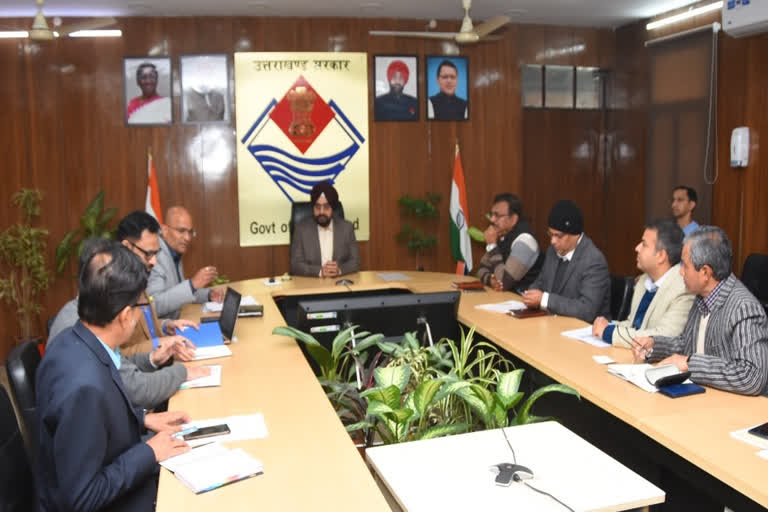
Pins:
x: 684, y: 15
x: 8, y: 34
x: 97, y: 33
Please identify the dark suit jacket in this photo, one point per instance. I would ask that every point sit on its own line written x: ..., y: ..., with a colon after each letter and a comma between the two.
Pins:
x: 585, y: 290
x: 305, y: 248
x: 91, y: 456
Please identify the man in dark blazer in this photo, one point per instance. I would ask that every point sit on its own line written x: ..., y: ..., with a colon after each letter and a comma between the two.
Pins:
x: 91, y: 455
x: 574, y: 280
x: 324, y: 246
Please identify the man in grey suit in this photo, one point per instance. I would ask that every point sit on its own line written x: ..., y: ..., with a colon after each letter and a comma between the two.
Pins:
x: 148, y: 377
x: 660, y: 304
x: 725, y: 341
x: 167, y: 284
x: 324, y: 246
x: 574, y: 280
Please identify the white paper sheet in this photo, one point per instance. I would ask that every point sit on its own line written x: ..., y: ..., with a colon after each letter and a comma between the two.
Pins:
x: 634, y: 373
x: 744, y: 435
x: 204, y: 451
x: 216, y: 307
x: 502, y: 307
x: 212, y: 352
x: 585, y: 335
x: 603, y: 360
x: 214, y: 379
x: 251, y: 426
x: 393, y: 276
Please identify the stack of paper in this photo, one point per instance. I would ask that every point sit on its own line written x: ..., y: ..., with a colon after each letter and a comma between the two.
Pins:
x: 502, y: 307
x: 585, y: 334
x: 212, y: 352
x: 250, y: 426
x: 217, y: 307
x: 208, y: 467
x: 634, y: 373
x: 214, y: 379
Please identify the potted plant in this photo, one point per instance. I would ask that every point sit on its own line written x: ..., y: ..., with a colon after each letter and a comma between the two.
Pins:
x: 95, y: 222
x: 22, y: 253
x: 424, y: 213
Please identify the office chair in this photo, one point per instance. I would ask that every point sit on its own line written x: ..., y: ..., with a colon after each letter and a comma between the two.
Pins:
x: 16, y: 481
x: 21, y: 366
x: 755, y: 277
x: 301, y: 210
x: 622, y: 288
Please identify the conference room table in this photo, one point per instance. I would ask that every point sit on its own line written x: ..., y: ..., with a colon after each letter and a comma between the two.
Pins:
x: 310, y: 463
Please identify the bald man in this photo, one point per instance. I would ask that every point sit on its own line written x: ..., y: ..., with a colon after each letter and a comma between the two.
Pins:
x: 167, y: 285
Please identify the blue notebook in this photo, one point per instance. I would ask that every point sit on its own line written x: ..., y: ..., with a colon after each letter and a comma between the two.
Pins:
x: 209, y: 335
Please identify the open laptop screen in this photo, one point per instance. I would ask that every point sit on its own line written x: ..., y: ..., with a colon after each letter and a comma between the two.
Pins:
x: 229, y: 313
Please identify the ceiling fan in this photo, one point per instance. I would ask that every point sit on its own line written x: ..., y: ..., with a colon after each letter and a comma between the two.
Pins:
x: 40, y: 30
x: 468, y: 33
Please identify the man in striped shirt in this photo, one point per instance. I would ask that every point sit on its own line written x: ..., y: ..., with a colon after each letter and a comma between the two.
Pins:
x: 725, y: 341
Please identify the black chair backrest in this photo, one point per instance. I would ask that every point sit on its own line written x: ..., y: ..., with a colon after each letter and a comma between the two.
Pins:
x: 301, y: 210
x: 21, y: 366
x: 755, y: 276
x: 16, y: 481
x: 622, y: 288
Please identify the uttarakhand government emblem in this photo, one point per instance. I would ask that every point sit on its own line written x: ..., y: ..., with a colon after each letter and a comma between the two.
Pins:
x: 303, y: 117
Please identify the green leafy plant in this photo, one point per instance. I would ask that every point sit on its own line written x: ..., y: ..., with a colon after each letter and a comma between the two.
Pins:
x: 22, y: 248
x: 220, y: 280
x: 424, y: 213
x: 477, y: 392
x: 95, y: 222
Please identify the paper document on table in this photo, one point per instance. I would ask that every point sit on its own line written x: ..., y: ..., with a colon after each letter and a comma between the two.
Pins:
x: 744, y: 435
x: 634, y: 373
x: 393, y: 276
x: 251, y: 426
x: 585, y: 334
x: 603, y: 360
x: 212, y: 466
x: 212, y: 352
x: 214, y: 379
x: 502, y: 307
x: 216, y: 307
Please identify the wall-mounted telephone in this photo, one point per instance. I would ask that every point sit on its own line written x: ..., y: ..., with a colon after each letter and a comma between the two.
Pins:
x: 740, y: 147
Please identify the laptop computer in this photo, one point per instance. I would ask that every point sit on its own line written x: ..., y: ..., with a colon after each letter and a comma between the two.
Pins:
x: 229, y: 311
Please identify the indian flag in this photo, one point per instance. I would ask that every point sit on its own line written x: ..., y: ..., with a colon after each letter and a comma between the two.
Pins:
x: 460, y: 242
x: 152, y: 203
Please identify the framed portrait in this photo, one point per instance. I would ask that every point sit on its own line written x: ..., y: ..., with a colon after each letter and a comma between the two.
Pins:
x: 147, y: 91
x: 447, y: 88
x: 205, y: 89
x: 396, y: 92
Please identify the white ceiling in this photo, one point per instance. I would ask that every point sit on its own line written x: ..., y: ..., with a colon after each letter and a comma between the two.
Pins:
x: 592, y: 13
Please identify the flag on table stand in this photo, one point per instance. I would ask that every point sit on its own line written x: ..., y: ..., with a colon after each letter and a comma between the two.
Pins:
x: 152, y: 205
x: 461, y: 248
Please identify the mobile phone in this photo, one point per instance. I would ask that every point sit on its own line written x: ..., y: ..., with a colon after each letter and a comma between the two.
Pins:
x: 678, y: 390
x: 213, y: 430
x: 760, y: 431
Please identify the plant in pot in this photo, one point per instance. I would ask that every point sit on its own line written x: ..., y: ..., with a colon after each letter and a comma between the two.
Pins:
x: 95, y: 222
x: 415, y: 234
x: 22, y: 253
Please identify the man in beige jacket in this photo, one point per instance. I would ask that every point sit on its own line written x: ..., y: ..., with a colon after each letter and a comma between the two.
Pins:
x: 660, y: 303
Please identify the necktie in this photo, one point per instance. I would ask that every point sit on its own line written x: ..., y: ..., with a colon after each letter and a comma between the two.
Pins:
x: 562, y: 265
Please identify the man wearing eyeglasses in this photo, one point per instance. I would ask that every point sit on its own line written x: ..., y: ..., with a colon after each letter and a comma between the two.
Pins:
x: 660, y: 303
x: 574, y: 280
x: 325, y: 245
x: 512, y: 260
x: 167, y: 284
x: 148, y: 377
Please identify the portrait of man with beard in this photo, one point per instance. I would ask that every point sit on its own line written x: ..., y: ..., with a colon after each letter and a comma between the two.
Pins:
x: 324, y: 245
x: 393, y: 101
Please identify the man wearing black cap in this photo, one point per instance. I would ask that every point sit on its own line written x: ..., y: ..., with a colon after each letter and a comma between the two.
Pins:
x: 575, y: 279
x: 324, y: 245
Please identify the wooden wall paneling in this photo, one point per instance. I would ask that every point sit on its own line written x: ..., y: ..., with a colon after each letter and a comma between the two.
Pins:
x: 70, y: 123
